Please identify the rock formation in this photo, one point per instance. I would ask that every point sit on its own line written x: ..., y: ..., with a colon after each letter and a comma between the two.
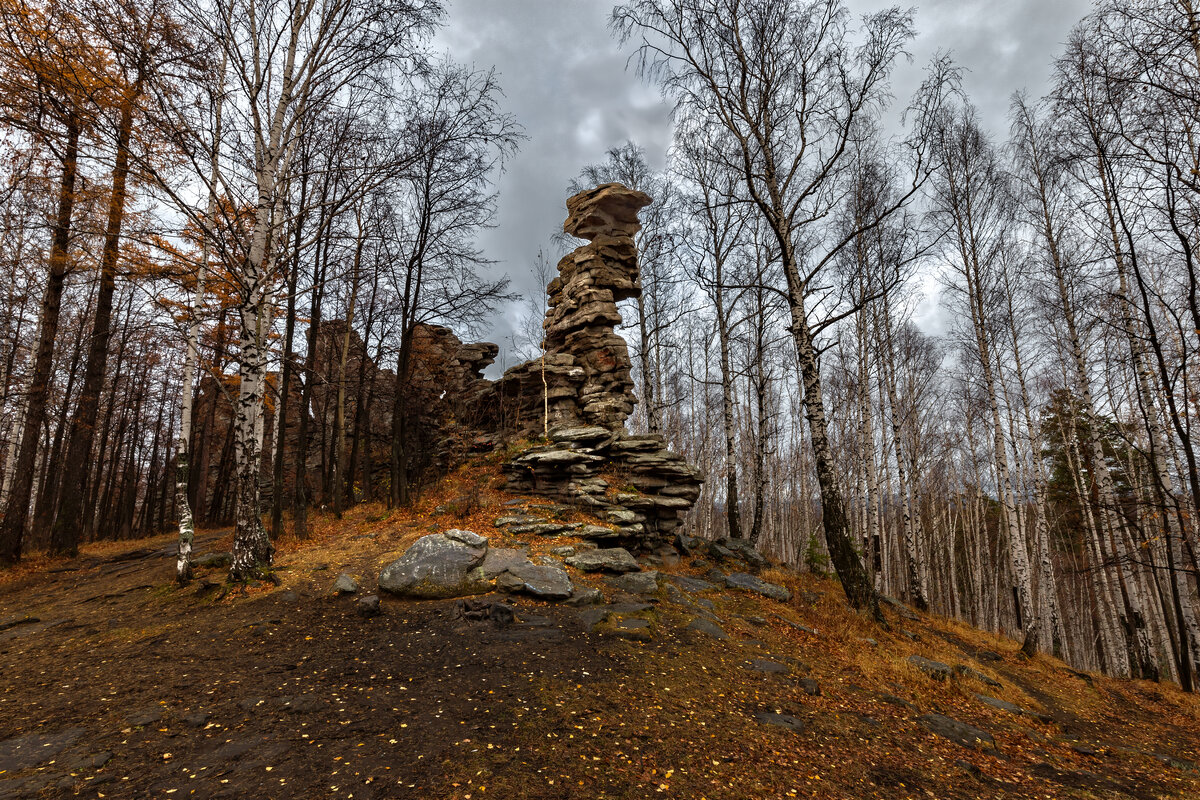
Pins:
x: 582, y: 391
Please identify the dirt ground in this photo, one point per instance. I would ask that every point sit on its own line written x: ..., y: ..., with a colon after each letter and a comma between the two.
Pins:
x: 115, y: 683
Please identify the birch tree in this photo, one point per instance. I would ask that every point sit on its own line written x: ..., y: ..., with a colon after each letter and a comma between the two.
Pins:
x: 287, y: 63
x: 791, y: 83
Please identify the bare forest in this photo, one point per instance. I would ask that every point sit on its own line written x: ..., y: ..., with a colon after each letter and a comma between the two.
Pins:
x: 238, y: 239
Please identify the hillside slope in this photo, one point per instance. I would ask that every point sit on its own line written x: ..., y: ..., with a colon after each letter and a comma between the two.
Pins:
x: 118, y: 684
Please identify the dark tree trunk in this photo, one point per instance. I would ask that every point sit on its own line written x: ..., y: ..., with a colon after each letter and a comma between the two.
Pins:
x: 12, y: 528
x: 64, y: 537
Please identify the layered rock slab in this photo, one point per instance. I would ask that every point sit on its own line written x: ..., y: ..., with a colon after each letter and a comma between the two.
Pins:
x: 581, y: 391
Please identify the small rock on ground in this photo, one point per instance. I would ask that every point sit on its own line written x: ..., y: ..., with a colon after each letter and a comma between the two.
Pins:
x: 749, y: 583
x: 957, y: 732
x: 637, y: 582
x: 780, y: 720
x: 707, y: 627
x: 345, y: 585
x: 368, y: 605
x: 934, y: 669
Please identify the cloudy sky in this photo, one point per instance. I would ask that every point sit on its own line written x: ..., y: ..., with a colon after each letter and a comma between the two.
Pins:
x: 568, y: 84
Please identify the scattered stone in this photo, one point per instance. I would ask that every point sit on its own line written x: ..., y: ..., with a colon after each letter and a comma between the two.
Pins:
x: 320, y: 568
x: 585, y: 596
x: 563, y: 551
x: 967, y: 672
x: 146, y: 717
x: 756, y: 620
x: 634, y: 629
x: 989, y: 655
x: 100, y: 759
x: 687, y: 544
x: 345, y: 585
x: 810, y: 687
x: 519, y: 519
x: 367, y: 605
x: 31, y: 749
x: 16, y: 621
x: 957, y: 732
x: 738, y: 549
x: 899, y: 607
x: 637, y: 582
x: 749, y: 583
x: 546, y: 582
x: 197, y: 720
x: 1085, y: 750
x: 707, y: 627
x: 592, y: 617
x: 1175, y: 763
x: 763, y: 665
x: 934, y: 669
x: 910, y: 635
x: 1003, y: 705
x: 445, y: 564
x: 690, y: 584
x: 798, y: 626
x: 614, y: 559
x: 897, y: 701
x: 780, y: 720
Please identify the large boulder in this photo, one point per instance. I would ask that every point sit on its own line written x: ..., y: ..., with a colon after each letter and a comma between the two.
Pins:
x: 448, y: 564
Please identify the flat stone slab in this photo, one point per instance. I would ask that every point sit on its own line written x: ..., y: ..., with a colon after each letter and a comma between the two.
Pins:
x: 539, y: 529
x: 780, y: 720
x: 958, y: 732
x: 596, y: 532
x: 763, y: 665
x: 690, y: 584
x: 22, y: 752
x: 585, y: 596
x: 633, y: 628
x: 546, y: 582
x: 899, y: 607
x: 707, y: 627
x: 637, y: 582
x: 934, y: 669
x: 613, y: 559
x: 750, y: 583
x: 517, y: 519
x: 1012, y: 708
x: 968, y: 672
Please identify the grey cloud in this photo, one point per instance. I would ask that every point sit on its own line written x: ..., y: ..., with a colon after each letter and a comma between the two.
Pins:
x: 567, y: 82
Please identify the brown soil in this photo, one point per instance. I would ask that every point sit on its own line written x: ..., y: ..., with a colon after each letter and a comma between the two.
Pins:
x: 118, y: 684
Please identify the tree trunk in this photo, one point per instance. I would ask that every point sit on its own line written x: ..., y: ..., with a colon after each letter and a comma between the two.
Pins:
x: 12, y: 528
x: 64, y: 537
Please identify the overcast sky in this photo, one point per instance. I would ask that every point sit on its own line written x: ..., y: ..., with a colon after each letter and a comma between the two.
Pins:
x: 566, y: 81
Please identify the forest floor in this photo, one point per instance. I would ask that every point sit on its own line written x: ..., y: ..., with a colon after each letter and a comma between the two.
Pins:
x: 116, y: 683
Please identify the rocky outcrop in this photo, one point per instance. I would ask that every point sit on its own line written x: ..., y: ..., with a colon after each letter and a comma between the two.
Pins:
x: 582, y: 390
x: 586, y: 370
x: 633, y: 482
